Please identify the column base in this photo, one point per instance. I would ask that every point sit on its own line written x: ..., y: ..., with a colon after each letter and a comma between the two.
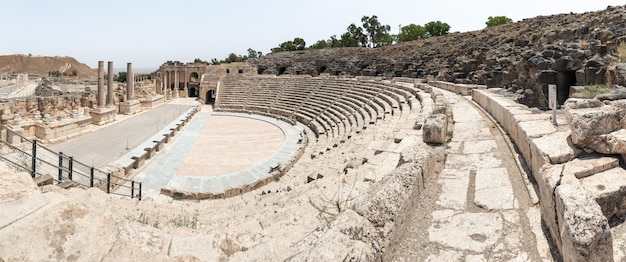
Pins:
x: 103, y: 116
x: 130, y: 107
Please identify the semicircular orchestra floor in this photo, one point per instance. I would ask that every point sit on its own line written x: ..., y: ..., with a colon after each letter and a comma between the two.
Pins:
x: 219, y: 150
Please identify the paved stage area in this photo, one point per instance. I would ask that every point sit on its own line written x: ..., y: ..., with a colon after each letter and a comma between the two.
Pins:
x: 219, y: 150
x: 110, y: 142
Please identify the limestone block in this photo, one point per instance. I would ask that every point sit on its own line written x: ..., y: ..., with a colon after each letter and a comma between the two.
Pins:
x: 584, y: 167
x: 349, y: 237
x: 434, y: 129
x: 591, y: 123
x: 556, y: 148
x: 548, y: 178
x: 382, y: 202
x: 584, y: 230
x: 608, y: 188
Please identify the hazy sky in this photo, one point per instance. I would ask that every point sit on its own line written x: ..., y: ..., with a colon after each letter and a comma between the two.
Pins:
x: 150, y: 32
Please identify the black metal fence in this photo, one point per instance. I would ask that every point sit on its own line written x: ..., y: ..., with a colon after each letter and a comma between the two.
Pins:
x: 29, y: 156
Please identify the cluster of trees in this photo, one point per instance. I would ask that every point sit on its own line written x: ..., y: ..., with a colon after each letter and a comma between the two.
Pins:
x: 371, y: 33
x: 414, y: 32
x: 232, y: 57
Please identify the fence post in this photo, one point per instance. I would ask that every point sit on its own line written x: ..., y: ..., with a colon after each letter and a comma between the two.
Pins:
x: 34, y: 155
x: 60, y: 166
x: 132, y: 189
x: 108, y: 183
x: 140, y: 191
x: 71, y: 167
x: 91, y: 177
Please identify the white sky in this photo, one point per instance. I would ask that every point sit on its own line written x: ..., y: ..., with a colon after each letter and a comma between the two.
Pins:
x: 150, y: 32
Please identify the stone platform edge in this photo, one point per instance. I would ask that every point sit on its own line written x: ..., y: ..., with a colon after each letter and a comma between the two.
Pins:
x: 273, y: 175
x: 136, y: 158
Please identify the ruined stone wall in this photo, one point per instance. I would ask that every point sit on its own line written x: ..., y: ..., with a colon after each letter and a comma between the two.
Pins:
x: 30, y: 107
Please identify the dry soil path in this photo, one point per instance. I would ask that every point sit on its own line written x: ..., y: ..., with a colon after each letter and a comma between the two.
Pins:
x: 478, y: 208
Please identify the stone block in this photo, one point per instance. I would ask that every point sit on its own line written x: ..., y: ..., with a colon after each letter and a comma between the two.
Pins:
x: 548, y: 178
x: 608, y: 188
x: 595, y: 126
x: 130, y: 107
x: 435, y: 129
x: 43, y: 180
x: 584, y: 230
x: 584, y: 167
x: 103, y: 116
x: 556, y: 147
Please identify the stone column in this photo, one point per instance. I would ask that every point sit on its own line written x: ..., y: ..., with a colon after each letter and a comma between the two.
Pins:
x: 110, y: 85
x: 130, y: 81
x: 101, y: 98
x: 165, y: 84
x: 176, y: 83
x: 186, y: 94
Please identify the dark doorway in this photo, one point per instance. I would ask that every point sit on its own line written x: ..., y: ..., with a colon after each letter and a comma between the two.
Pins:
x: 564, y: 80
x: 193, y: 92
x: 227, y: 71
x: 322, y: 69
x: 281, y: 70
x: 210, y: 97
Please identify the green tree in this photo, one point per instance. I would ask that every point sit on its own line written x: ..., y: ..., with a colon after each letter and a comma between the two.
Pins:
x: 437, y: 28
x: 334, y: 42
x: 198, y: 60
x: 377, y: 32
x: 320, y: 44
x: 498, y: 20
x: 253, y: 53
x: 411, y: 32
x: 295, y: 45
x: 121, y: 77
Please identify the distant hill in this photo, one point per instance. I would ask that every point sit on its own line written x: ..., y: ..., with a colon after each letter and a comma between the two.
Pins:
x: 41, y: 65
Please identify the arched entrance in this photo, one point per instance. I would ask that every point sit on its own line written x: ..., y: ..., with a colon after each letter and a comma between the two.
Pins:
x: 210, y: 97
x: 193, y: 77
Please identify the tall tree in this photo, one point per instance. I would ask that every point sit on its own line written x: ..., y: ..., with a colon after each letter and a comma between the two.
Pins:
x: 253, y: 53
x: 437, y: 28
x: 378, y: 33
x: 411, y: 32
x: 498, y: 20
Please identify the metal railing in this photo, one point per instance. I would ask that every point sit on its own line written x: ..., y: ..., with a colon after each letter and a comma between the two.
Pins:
x: 29, y: 156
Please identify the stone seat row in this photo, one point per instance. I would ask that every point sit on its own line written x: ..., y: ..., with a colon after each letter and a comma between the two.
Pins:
x: 334, y: 109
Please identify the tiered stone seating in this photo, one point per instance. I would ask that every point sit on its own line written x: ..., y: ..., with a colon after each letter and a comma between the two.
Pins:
x: 334, y: 109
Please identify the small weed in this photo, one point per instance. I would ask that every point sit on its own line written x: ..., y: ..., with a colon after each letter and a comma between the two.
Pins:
x: 593, y: 90
x: 143, y: 219
x: 330, y: 208
x: 185, y: 221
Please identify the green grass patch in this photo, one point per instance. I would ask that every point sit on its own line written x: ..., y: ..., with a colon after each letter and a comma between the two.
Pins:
x: 593, y: 90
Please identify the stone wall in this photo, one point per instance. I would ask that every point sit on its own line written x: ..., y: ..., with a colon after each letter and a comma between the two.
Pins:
x: 574, y: 219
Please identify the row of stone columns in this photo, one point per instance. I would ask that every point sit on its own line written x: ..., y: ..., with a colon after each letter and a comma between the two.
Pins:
x: 173, y: 77
x: 107, y: 101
